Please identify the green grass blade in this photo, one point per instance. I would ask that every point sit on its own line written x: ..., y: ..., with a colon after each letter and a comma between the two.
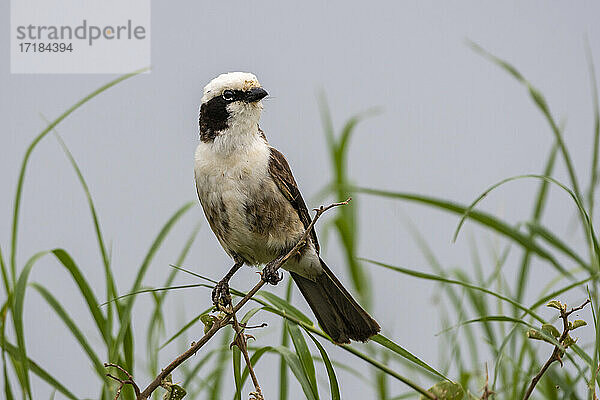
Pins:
x: 346, y: 134
x: 5, y: 277
x: 480, y: 305
x: 387, y: 370
x: 455, y: 298
x: 39, y: 371
x: 3, y: 314
x: 542, y: 301
x: 334, y: 388
x: 86, y: 291
x: 284, y: 306
x: 192, y: 374
x: 204, y: 383
x: 285, y: 338
x: 326, y: 121
x: 128, y: 350
x: 156, y: 323
x: 186, y: 327
x: 390, y: 345
x: 111, y: 289
x: 310, y: 327
x: 483, y: 218
x: 126, y: 314
x: 492, y: 318
x: 431, y: 277
x: 557, y: 243
x: 7, y: 386
x: 17, y: 314
x: 542, y: 104
x: 303, y: 355
x: 215, y: 390
x: 92, y: 207
x: 237, y: 372
x: 180, y: 260
x: 595, y: 316
x: 192, y: 273
x: 596, y: 145
x: 295, y: 365
x: 352, y: 350
x: 408, y: 395
x: 251, y: 313
x: 72, y: 326
x: 538, y: 210
x: 29, y: 151
x: 381, y: 379
x: 153, y: 291
x: 256, y: 356
x: 584, y: 215
x: 346, y: 221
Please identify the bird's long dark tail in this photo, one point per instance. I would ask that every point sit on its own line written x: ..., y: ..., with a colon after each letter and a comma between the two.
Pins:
x: 339, y: 315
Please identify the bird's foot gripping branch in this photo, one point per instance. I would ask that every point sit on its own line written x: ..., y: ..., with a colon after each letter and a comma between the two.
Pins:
x: 228, y: 318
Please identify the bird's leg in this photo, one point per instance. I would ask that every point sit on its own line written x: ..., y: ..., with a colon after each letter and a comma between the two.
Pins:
x: 269, y: 274
x: 220, y: 295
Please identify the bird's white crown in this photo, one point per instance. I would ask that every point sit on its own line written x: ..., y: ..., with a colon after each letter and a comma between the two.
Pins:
x: 232, y: 81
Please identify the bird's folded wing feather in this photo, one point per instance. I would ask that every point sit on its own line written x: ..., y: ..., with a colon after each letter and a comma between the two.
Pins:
x: 282, y: 175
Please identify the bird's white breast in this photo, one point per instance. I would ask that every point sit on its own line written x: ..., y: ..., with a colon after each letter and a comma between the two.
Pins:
x: 232, y: 174
x: 228, y: 171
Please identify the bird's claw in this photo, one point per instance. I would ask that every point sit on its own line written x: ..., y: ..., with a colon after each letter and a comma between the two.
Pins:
x: 270, y: 275
x: 221, y: 297
x: 256, y: 396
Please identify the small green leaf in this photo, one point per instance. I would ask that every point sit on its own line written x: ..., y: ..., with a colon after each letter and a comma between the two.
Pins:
x: 551, y: 330
x: 555, y: 304
x: 537, y: 335
x: 577, y: 324
x: 173, y: 390
x: 446, y: 391
x: 208, y: 321
x: 569, y: 341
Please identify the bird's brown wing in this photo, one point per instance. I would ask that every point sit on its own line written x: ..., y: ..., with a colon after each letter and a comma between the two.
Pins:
x: 282, y: 175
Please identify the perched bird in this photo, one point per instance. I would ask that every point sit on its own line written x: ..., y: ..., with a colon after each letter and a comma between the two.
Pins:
x: 255, y: 209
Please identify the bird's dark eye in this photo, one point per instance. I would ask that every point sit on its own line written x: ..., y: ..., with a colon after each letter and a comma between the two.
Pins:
x: 228, y: 95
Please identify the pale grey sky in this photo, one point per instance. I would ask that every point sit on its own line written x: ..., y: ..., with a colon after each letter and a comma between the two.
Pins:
x: 452, y: 124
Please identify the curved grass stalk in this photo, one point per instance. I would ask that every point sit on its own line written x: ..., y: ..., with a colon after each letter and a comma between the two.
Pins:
x: 29, y: 151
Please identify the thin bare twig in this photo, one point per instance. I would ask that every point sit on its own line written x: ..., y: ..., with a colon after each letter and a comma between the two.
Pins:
x: 487, y: 393
x: 558, y: 350
x: 225, y: 320
x: 241, y: 341
x: 123, y: 382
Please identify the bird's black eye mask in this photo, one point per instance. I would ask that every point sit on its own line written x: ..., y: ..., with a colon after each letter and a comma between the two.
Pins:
x: 214, y: 114
x: 213, y: 118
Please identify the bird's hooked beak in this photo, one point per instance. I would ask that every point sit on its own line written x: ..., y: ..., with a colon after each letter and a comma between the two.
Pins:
x: 255, y: 94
